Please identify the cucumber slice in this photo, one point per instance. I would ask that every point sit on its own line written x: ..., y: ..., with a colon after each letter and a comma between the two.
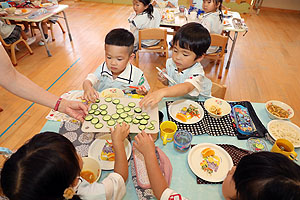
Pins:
x: 103, y: 107
x: 151, y: 127
x: 128, y: 119
x: 144, y: 114
x: 106, y: 118
x: 91, y: 111
x: 138, y: 110
x: 130, y: 113
x: 97, y: 101
x: 123, y: 115
x: 108, y: 99
x: 131, y: 104
x: 146, y: 117
x: 143, y: 122
x: 142, y: 127
x: 88, y: 117
x: 120, y: 106
x: 116, y: 101
x: 98, y: 125
x: 94, y: 106
x: 115, y: 116
x: 127, y: 109
x: 153, y: 122
x: 95, y: 120
x: 97, y: 112
x: 120, y: 111
x: 103, y: 112
x: 111, y: 122
x: 135, y: 121
x: 139, y: 117
x: 120, y: 120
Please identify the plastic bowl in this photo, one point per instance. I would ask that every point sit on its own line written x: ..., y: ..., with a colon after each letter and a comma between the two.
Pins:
x: 93, y: 165
x: 10, y: 10
x: 283, y: 106
x: 219, y: 103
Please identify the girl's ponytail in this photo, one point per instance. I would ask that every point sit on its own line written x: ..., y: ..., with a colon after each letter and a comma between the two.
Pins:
x: 220, y: 9
x: 149, y: 11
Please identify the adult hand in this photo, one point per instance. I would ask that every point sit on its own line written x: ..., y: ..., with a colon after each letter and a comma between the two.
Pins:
x: 152, y: 99
x: 119, y: 134
x: 74, y: 109
x: 144, y: 143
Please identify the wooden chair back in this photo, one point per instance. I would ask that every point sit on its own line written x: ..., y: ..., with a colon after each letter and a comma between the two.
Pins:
x: 153, y: 34
x: 218, y: 90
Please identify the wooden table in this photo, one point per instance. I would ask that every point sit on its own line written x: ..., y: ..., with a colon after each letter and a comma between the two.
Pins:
x: 52, y: 11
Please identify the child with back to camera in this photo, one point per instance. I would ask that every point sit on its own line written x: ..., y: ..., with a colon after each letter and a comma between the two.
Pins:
x: 261, y: 176
x: 144, y: 16
x: 47, y: 167
x: 189, y: 45
x: 116, y: 71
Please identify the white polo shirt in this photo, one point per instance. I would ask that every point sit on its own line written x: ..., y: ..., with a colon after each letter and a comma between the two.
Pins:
x: 194, y: 75
x: 198, y: 4
x: 102, y: 78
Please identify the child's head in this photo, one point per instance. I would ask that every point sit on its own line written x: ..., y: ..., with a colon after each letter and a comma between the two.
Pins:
x: 263, y: 175
x: 41, y: 169
x: 189, y: 45
x: 118, y: 50
x: 140, y: 6
x: 212, y: 5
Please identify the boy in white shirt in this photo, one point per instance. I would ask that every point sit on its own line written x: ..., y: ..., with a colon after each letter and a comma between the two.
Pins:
x: 189, y: 46
x: 116, y: 71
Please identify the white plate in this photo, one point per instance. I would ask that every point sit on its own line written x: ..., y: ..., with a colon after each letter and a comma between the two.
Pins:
x: 25, y: 13
x: 96, y: 148
x: 112, y: 92
x: 288, y: 124
x: 195, y: 158
x: 176, y: 106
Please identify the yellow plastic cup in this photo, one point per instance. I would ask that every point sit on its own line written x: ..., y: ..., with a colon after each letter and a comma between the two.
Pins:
x: 284, y: 147
x: 167, y: 131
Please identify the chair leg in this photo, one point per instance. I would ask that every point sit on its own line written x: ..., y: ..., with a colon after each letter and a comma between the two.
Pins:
x: 51, y: 30
x: 1, y: 109
x: 61, y: 27
x: 137, y: 59
x: 221, y: 68
x: 13, y: 54
x: 28, y: 47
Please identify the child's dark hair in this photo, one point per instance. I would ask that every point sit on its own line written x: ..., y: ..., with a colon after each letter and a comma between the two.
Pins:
x: 41, y: 169
x: 194, y: 37
x: 149, y: 10
x: 120, y: 37
x: 219, y: 8
x: 267, y: 175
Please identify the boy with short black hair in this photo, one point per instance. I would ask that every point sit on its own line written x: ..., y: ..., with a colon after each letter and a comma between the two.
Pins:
x: 116, y: 71
x: 189, y: 46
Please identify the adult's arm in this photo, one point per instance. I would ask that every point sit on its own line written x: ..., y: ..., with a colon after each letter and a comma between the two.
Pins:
x: 21, y: 86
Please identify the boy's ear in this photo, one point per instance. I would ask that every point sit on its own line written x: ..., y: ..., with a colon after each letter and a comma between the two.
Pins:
x: 200, y: 58
x: 131, y: 57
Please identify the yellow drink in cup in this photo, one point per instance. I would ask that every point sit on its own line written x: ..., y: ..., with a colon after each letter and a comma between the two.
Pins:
x: 167, y: 131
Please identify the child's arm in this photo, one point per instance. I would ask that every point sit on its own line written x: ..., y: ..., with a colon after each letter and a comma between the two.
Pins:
x: 118, y: 136
x: 90, y: 94
x: 162, y: 78
x: 144, y: 143
x: 153, y: 98
x: 171, y: 5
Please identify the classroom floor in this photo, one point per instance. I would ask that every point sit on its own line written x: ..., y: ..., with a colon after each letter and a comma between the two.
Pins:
x: 264, y: 65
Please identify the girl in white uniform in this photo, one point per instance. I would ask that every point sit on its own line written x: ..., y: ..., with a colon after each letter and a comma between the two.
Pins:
x: 144, y: 16
x: 48, y: 167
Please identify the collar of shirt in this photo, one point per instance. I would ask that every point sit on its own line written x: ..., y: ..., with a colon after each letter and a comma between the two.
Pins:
x: 125, y: 76
x: 187, y: 70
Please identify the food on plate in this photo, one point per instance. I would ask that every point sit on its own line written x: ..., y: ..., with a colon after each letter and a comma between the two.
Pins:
x: 107, y: 152
x: 210, y: 162
x: 88, y: 176
x: 24, y: 10
x: 277, y: 111
x: 187, y: 113
x: 215, y: 110
x: 285, y: 131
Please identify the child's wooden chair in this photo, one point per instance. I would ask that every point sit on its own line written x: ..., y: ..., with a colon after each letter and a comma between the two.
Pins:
x: 12, y: 48
x: 50, y: 27
x: 218, y: 90
x: 220, y: 41
x: 153, y: 34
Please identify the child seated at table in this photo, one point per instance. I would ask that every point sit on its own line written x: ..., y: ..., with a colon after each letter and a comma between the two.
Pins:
x: 167, y: 3
x: 196, y: 3
x: 48, y: 167
x: 189, y: 45
x: 116, y: 71
x: 262, y: 175
x: 212, y: 20
x: 144, y: 16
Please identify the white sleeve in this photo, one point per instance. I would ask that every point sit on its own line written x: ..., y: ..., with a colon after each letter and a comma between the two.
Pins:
x: 93, y: 78
x: 169, y: 194
x: 114, y: 185
x: 140, y: 21
x: 202, y: 85
x: 206, y: 23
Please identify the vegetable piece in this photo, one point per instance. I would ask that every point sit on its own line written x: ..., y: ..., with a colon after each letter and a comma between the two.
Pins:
x: 94, y: 106
x: 88, y: 117
x: 128, y: 119
x: 98, y: 125
x: 138, y: 110
x: 123, y: 115
x: 153, y: 122
x: 111, y: 122
x: 95, y: 120
x: 108, y: 99
x: 106, y: 118
x: 139, y: 117
x: 130, y: 113
x: 91, y: 111
x: 120, y: 120
x: 131, y: 104
x: 143, y: 122
x: 97, y: 101
x: 146, y: 117
x: 135, y: 121
x: 103, y: 112
x: 144, y: 114
x: 120, y: 111
x: 120, y: 106
x: 127, y: 109
x: 103, y: 107
x: 115, y: 116
x: 142, y: 127
x: 116, y: 101
x: 151, y: 127
x: 97, y: 112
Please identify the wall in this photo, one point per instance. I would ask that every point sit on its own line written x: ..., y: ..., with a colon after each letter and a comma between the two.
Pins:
x: 282, y: 4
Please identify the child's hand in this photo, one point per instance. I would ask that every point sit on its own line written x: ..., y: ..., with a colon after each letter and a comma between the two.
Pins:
x: 152, y: 99
x: 141, y: 90
x: 162, y: 78
x: 144, y: 143
x: 119, y: 134
x: 90, y: 94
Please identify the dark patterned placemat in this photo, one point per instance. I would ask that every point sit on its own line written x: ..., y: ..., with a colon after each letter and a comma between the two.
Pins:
x: 209, y: 125
x: 235, y: 153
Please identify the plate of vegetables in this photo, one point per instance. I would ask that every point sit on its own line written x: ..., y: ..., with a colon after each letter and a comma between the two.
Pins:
x: 186, y: 111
